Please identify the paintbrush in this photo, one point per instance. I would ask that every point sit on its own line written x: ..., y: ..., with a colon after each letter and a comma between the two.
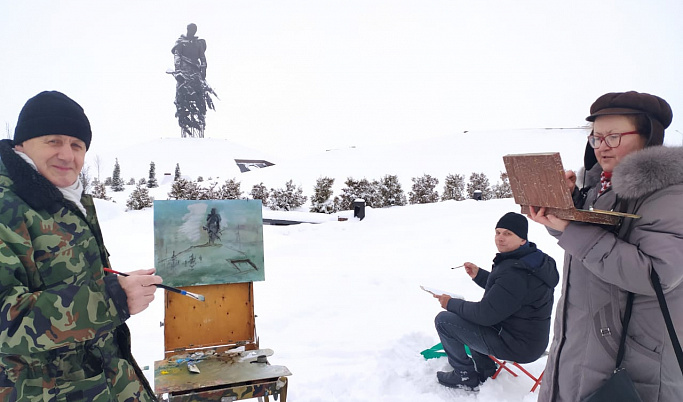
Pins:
x: 459, y: 266
x: 169, y: 288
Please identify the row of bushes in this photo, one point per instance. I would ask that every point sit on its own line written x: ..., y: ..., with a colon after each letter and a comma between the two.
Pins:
x: 376, y: 193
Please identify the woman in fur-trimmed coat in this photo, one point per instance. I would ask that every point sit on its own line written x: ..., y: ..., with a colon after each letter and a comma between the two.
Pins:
x: 633, y: 174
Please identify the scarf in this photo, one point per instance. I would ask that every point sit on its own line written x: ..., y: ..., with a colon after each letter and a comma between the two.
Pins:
x: 72, y: 193
x: 605, y: 182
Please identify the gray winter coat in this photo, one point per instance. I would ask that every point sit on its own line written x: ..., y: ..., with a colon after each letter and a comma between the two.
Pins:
x: 601, y: 264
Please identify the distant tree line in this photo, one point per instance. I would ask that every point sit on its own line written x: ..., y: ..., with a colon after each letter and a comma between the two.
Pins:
x: 385, y: 192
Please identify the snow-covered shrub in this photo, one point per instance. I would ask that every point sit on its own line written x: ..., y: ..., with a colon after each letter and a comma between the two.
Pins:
x: 230, y: 190
x: 184, y: 190
x: 99, y: 191
x: 502, y: 189
x: 139, y: 198
x: 389, y: 192
x: 479, y: 181
x: 286, y: 199
x: 322, y: 201
x: 358, y: 189
x: 260, y: 192
x: 454, y: 187
x: 424, y: 190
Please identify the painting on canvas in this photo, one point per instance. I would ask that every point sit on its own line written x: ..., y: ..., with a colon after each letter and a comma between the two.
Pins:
x: 207, y: 242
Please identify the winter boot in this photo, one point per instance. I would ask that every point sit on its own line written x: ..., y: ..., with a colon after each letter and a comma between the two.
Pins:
x: 461, y: 379
x: 484, y: 366
x: 486, y: 373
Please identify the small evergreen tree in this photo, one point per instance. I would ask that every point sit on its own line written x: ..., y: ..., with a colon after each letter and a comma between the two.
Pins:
x: 177, y: 175
x: 389, y: 192
x: 131, y: 182
x: 479, y: 181
x: 356, y: 189
x: 139, y: 198
x: 208, y: 193
x: 453, y: 188
x: 230, y: 190
x: 184, y: 190
x: 152, y: 180
x: 260, y: 192
x: 423, y: 190
x: 200, y: 179
x: 322, y: 201
x: 99, y: 190
x: 502, y: 189
x: 142, y: 181
x: 116, y: 181
x: 107, y: 181
x: 288, y: 198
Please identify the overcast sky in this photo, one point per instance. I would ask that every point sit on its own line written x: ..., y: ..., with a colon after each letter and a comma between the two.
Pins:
x: 304, y: 76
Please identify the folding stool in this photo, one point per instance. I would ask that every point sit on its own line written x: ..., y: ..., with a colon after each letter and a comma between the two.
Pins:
x: 502, y: 364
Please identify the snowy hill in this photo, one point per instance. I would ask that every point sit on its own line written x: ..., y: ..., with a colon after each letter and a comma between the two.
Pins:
x: 460, y: 153
x: 196, y: 157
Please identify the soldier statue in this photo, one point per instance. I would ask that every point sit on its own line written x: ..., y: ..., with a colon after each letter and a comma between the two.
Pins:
x: 193, y: 94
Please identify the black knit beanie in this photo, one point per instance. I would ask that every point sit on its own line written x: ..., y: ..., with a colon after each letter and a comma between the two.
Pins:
x: 49, y: 113
x: 515, y: 223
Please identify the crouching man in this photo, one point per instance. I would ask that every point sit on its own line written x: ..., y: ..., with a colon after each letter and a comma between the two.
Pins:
x: 511, y: 321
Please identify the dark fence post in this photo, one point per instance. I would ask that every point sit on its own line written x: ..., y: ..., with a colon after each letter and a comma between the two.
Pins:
x: 359, y: 208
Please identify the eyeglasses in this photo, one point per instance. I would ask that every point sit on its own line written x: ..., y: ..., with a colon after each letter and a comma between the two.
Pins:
x: 612, y: 140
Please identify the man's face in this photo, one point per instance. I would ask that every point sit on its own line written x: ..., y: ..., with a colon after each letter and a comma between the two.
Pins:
x: 507, y: 241
x: 59, y: 158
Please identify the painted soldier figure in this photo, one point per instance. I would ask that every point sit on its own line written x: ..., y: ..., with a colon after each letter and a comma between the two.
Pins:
x: 213, y: 226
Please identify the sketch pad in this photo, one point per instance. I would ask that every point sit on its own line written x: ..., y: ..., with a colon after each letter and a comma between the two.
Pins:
x: 439, y: 292
x: 538, y: 180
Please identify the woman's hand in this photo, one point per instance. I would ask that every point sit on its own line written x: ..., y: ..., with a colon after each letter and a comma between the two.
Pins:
x: 549, y: 220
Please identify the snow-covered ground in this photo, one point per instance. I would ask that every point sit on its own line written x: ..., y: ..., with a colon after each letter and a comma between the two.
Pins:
x: 341, y: 304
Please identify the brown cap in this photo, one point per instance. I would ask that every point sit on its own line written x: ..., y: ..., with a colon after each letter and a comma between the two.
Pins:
x: 623, y: 103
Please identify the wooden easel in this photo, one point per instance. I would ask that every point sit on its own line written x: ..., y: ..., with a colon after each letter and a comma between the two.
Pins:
x: 206, y: 334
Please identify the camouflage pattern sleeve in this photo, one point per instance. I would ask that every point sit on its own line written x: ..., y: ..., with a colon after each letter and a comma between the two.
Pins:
x: 52, y: 290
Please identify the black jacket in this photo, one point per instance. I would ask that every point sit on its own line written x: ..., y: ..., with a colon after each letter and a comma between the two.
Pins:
x: 517, y: 301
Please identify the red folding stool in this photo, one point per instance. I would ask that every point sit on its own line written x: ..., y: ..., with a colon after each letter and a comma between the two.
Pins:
x: 502, y: 364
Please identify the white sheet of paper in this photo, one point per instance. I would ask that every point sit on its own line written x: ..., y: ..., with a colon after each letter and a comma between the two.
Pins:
x: 439, y: 292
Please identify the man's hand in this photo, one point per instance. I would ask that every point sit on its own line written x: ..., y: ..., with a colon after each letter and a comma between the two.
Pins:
x: 550, y: 221
x: 443, y: 299
x: 139, y: 287
x: 471, y: 269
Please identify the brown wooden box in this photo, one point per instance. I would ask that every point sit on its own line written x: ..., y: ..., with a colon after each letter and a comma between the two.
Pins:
x: 226, y: 317
x: 537, y: 180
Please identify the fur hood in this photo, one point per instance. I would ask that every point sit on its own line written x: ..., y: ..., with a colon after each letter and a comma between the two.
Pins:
x: 648, y: 170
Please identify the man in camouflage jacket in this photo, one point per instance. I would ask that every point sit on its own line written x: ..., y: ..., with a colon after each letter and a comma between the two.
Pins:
x: 62, y: 331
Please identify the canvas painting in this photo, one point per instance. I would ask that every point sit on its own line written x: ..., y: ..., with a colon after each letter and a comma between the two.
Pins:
x: 208, y: 242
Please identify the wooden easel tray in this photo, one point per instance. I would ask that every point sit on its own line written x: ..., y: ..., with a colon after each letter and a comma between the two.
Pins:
x: 172, y: 375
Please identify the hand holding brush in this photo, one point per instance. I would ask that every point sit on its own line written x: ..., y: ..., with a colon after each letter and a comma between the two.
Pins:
x: 159, y: 285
